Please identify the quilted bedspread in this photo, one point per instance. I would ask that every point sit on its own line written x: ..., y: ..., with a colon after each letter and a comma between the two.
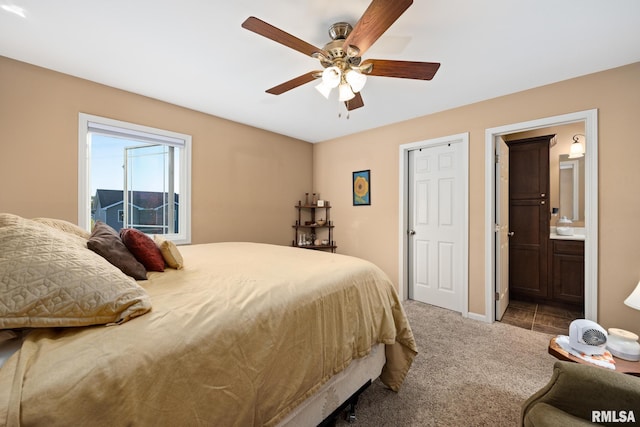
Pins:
x: 239, y: 337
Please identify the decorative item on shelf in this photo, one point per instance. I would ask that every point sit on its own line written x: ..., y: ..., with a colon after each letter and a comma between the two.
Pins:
x: 321, y: 222
x: 315, y: 199
x: 320, y: 203
x: 325, y: 242
x: 306, y: 199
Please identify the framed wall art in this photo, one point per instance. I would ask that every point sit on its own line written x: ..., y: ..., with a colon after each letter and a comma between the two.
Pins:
x: 362, y: 188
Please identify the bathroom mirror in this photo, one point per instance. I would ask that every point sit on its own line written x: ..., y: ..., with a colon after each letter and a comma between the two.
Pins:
x: 571, y: 187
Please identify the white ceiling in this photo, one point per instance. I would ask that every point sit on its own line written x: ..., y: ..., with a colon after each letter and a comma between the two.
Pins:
x: 194, y: 53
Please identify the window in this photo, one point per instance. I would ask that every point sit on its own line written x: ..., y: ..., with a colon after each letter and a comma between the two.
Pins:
x: 134, y: 176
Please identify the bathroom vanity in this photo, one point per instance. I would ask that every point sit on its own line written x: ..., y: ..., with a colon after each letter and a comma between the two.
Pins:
x: 566, y: 267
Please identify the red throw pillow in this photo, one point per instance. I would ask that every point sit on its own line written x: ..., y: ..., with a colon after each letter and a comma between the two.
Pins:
x: 143, y: 248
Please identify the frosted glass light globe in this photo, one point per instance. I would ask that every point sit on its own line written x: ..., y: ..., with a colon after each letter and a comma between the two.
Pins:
x: 331, y: 76
x: 345, y: 93
x: 356, y: 80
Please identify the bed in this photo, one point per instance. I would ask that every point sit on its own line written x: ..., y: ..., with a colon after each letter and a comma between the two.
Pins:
x: 244, y: 334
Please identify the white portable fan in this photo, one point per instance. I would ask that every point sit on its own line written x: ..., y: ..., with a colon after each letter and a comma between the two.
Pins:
x: 587, y: 337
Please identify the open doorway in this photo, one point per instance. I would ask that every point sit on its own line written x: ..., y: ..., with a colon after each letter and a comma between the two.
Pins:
x: 541, y: 273
x: 492, y: 140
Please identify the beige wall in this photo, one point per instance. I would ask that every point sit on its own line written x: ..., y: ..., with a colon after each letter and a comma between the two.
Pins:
x: 245, y: 181
x: 372, y: 232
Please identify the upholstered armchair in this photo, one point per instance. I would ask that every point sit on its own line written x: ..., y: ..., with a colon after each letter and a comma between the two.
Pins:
x: 579, y: 395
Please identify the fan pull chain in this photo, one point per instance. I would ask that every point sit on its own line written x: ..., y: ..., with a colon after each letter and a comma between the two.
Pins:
x: 348, y: 116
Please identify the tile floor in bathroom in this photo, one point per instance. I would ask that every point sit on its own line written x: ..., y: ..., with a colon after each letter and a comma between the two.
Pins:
x: 541, y: 318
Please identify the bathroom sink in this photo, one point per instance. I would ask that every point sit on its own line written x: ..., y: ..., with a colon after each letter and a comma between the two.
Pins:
x: 564, y: 231
x: 574, y: 233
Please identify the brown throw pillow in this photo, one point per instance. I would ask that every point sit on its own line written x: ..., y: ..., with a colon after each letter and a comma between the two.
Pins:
x: 143, y: 248
x: 105, y: 242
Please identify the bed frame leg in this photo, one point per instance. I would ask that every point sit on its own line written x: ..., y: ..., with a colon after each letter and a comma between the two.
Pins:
x: 350, y: 406
x: 350, y: 415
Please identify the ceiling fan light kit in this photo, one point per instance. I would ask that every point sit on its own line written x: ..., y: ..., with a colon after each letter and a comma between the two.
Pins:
x: 331, y: 77
x: 341, y: 58
x: 345, y: 93
x: 324, y: 89
x: 356, y: 80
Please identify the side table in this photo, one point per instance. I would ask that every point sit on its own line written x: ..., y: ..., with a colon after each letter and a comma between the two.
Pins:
x: 624, y: 366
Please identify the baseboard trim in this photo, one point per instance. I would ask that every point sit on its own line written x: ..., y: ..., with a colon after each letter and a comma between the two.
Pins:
x: 479, y: 317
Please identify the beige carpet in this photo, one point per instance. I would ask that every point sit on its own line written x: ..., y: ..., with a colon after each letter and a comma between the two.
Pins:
x: 467, y: 373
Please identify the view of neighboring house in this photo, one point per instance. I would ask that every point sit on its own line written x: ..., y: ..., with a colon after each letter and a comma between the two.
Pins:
x: 149, y: 210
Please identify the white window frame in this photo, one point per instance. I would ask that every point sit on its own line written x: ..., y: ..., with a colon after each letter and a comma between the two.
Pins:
x: 85, y: 121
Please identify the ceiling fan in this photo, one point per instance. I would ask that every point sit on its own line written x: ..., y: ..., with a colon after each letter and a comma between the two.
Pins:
x: 341, y: 58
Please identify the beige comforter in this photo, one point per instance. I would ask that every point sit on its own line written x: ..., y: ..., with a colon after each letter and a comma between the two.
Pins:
x: 240, y: 336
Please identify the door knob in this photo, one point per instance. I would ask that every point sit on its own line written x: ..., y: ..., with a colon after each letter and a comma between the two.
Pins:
x: 412, y: 232
x: 510, y: 234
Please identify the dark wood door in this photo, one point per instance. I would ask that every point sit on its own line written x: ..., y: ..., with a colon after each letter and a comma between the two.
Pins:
x: 529, y: 217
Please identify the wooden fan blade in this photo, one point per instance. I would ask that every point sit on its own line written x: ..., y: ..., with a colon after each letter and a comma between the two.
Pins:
x: 376, y: 20
x: 293, y: 83
x: 402, y: 69
x: 277, y: 35
x: 354, y: 103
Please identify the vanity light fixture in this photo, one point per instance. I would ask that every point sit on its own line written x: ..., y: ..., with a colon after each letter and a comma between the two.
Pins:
x: 577, y: 147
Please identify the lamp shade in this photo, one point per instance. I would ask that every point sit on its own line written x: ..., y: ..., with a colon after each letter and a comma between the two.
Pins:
x: 323, y: 89
x: 345, y: 93
x: 577, y: 148
x: 633, y: 300
x: 356, y: 80
x: 331, y: 76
